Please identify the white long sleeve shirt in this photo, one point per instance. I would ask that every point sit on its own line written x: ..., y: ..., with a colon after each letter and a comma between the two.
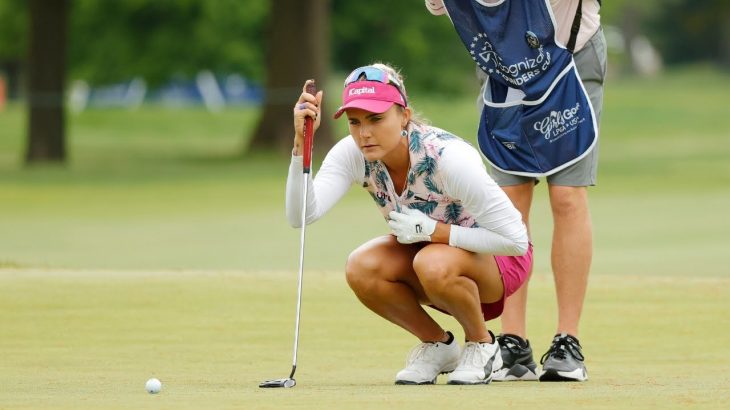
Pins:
x: 499, y: 228
x: 564, y: 13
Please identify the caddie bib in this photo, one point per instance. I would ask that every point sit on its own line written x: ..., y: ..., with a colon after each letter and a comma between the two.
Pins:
x: 537, y: 118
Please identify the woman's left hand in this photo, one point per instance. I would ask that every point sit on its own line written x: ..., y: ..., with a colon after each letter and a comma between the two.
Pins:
x: 411, y: 226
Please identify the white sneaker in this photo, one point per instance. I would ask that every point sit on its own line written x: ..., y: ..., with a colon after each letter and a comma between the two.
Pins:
x: 478, y: 360
x: 427, y: 360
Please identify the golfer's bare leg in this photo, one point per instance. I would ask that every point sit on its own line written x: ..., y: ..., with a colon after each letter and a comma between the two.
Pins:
x: 458, y: 281
x: 515, y: 306
x: 572, y: 252
x: 380, y: 272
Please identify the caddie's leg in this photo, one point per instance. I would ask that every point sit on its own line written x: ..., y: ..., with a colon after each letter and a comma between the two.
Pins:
x: 515, y: 306
x: 572, y: 252
x: 517, y: 359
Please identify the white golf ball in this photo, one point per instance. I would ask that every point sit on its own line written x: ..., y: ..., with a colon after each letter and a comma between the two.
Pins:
x: 153, y: 386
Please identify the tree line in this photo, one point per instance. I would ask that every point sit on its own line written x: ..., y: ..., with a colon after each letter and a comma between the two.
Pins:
x: 116, y: 40
x: 278, y: 43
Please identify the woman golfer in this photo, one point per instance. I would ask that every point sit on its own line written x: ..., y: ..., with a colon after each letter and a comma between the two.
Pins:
x: 457, y: 243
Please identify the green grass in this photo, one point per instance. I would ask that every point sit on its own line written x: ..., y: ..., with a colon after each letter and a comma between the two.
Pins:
x: 91, y: 339
x: 158, y: 251
x: 160, y: 189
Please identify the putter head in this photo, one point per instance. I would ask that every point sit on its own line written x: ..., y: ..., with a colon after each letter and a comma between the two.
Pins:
x: 287, y: 383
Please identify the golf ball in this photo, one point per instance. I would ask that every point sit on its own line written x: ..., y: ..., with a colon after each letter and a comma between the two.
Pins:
x: 153, y: 386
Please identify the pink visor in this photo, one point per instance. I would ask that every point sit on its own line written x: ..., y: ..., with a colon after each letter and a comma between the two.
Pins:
x: 372, y: 96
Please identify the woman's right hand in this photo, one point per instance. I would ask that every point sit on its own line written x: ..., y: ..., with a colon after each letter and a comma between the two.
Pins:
x: 307, y: 105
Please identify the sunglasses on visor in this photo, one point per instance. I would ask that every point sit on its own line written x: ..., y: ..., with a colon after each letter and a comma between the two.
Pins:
x: 371, y: 73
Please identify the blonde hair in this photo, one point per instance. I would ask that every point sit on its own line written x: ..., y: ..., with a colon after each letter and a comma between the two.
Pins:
x: 416, y: 117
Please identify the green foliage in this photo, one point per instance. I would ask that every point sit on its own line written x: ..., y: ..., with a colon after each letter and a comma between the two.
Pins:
x: 682, y: 30
x: 406, y: 35
x: 613, y: 11
x: 13, y: 28
x: 692, y: 30
x: 116, y: 40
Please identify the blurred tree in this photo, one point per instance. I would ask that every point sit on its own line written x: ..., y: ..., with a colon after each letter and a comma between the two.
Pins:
x: 682, y: 30
x: 630, y: 17
x: 297, y: 49
x: 160, y: 39
x: 116, y: 40
x: 725, y: 40
x: 404, y: 34
x: 46, y: 76
x: 13, y: 23
x: 691, y: 30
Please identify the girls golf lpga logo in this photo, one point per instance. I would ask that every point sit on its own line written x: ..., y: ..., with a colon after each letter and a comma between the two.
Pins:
x: 482, y: 51
x: 558, y: 123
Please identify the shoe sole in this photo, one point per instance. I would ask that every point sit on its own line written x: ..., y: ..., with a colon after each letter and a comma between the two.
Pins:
x: 464, y: 383
x: 412, y: 383
x: 515, y: 373
x: 577, y: 375
x: 469, y: 383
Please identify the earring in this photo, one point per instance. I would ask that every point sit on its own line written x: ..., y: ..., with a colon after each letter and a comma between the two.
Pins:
x: 404, y: 133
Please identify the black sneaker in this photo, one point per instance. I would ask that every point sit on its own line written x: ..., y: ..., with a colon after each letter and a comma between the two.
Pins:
x: 564, y: 361
x: 517, y: 361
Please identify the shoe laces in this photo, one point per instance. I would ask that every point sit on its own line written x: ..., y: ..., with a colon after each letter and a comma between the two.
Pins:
x: 472, y: 354
x: 561, y: 346
x: 423, y: 351
x: 510, y: 343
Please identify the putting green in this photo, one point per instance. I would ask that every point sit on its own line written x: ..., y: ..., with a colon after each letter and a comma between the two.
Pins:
x: 90, y: 339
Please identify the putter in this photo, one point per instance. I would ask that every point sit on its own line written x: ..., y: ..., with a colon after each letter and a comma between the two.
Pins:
x: 308, y: 137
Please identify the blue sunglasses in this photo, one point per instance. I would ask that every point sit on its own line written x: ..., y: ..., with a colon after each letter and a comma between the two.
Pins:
x: 371, y: 73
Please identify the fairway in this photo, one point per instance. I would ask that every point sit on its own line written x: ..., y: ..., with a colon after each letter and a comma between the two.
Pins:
x: 160, y: 251
x: 147, y: 257
x: 91, y: 339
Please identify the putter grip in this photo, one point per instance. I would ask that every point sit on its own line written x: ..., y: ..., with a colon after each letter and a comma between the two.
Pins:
x: 309, y: 133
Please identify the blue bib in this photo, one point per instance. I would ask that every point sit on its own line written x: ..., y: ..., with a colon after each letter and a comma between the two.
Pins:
x: 537, y: 118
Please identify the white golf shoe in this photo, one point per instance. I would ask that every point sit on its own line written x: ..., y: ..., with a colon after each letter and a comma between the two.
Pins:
x: 477, y: 362
x: 427, y: 360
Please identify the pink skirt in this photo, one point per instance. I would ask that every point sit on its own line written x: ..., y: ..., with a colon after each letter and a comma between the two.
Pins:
x: 515, y: 271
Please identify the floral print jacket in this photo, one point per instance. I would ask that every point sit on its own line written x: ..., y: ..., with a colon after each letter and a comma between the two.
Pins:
x: 424, y: 187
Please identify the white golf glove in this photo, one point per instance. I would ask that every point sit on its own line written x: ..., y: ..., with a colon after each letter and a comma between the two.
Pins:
x: 411, y: 226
